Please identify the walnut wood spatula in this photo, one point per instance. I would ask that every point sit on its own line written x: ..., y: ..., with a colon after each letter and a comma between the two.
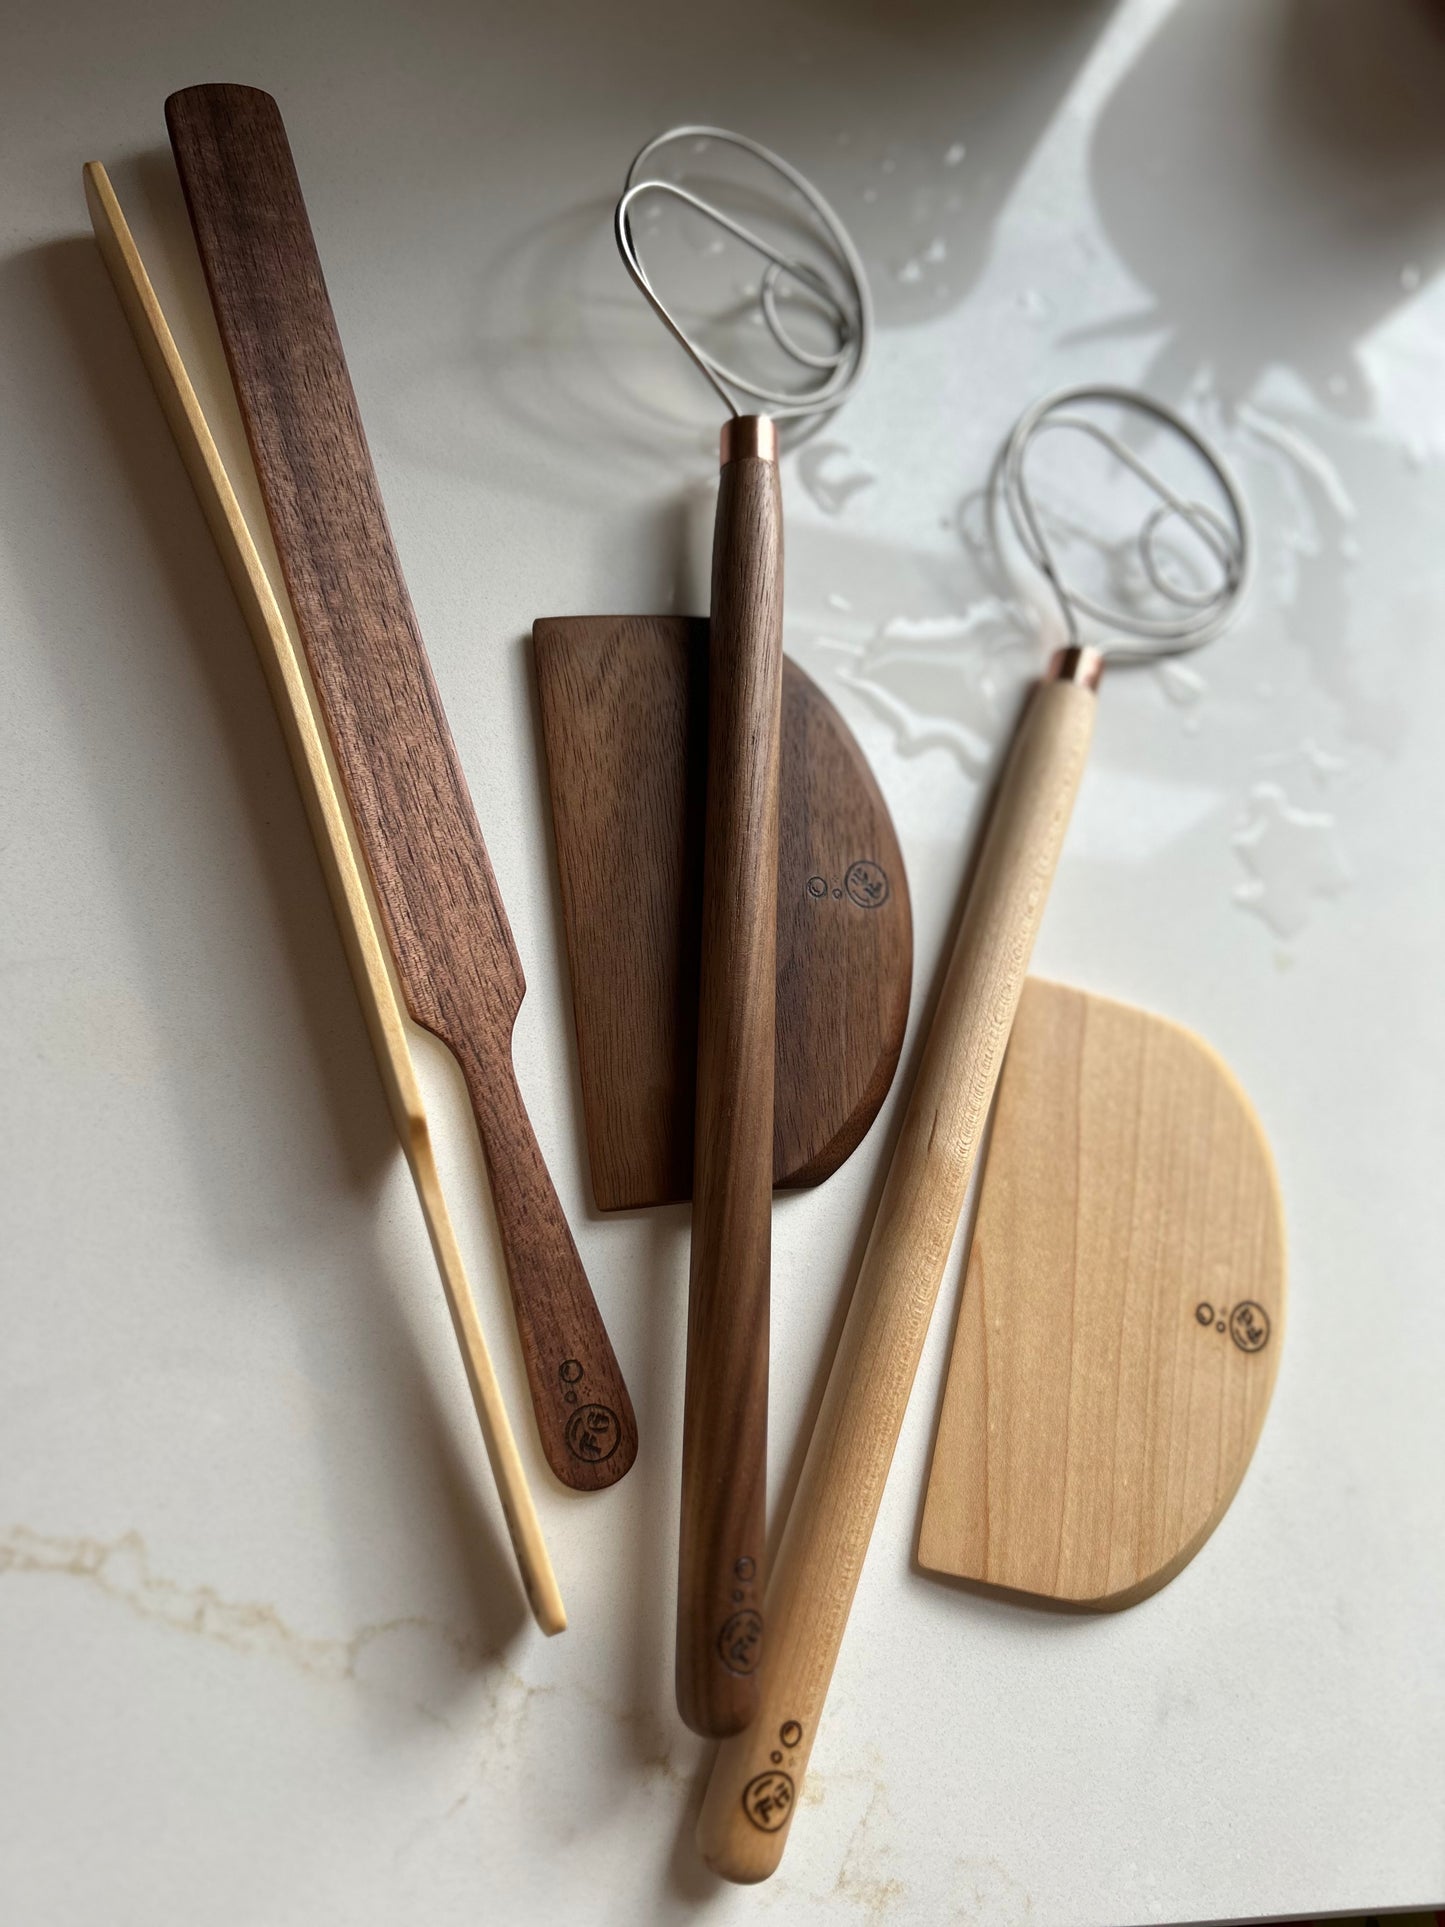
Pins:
x: 438, y: 900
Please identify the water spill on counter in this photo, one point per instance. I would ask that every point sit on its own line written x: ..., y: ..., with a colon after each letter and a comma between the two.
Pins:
x: 830, y: 484
x: 1306, y: 454
x: 950, y: 682
x: 1293, y: 856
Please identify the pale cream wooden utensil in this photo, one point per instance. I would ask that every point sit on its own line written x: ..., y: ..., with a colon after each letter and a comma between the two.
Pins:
x: 752, y: 1793
x: 330, y: 824
x: 1122, y: 1312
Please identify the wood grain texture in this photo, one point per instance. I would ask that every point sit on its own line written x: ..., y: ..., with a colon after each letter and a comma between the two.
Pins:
x: 751, y: 1798
x: 623, y: 703
x: 330, y: 826
x: 1122, y: 1316
x: 725, y: 1407
x: 434, y: 889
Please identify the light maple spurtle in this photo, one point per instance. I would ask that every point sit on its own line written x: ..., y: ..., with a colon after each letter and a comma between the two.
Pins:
x: 725, y: 1409
x: 437, y: 899
x: 752, y: 1794
x: 331, y: 830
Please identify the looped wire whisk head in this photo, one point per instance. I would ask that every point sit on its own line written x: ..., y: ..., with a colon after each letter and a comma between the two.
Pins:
x: 837, y: 288
x: 1196, y: 614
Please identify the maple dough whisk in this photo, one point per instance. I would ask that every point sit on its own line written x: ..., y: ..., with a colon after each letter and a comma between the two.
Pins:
x: 1195, y: 615
x: 720, y: 1568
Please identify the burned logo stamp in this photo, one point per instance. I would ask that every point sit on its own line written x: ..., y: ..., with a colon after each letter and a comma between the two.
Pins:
x: 740, y: 1643
x: 593, y: 1433
x: 768, y: 1800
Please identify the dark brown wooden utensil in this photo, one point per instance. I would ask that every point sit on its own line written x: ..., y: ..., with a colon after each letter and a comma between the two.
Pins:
x: 724, y: 1443
x: 623, y: 702
x: 725, y: 1410
x: 438, y: 899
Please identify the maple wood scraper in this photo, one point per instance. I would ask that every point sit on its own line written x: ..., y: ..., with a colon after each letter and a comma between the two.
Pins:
x: 438, y: 901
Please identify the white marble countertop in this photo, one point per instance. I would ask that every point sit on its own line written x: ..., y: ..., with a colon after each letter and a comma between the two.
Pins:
x: 263, y: 1658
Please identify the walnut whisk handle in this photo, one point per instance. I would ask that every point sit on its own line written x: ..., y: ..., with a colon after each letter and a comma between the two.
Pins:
x: 752, y: 1793
x: 725, y: 1416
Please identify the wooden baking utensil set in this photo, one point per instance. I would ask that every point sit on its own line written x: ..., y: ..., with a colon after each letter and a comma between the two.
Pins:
x: 739, y: 932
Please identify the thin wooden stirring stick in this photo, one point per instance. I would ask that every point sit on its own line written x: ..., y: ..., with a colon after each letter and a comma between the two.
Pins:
x: 331, y: 828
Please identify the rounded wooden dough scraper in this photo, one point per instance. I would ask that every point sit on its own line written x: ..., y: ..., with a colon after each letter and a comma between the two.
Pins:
x: 1119, y: 1332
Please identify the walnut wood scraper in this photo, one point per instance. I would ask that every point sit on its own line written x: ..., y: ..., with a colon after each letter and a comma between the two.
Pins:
x: 623, y: 707
x: 437, y: 896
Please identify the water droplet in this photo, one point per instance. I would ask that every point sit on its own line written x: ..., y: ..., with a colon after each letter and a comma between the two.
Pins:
x: 1324, y: 762
x: 928, y: 257
x: 1337, y: 385
x: 1293, y: 856
x: 1180, y: 683
x: 954, y: 154
x: 887, y: 164
x: 831, y: 492
x: 1033, y: 304
x: 836, y: 601
x: 870, y: 195
x: 1410, y: 276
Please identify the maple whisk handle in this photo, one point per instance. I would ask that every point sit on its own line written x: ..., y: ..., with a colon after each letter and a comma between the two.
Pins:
x: 752, y: 1793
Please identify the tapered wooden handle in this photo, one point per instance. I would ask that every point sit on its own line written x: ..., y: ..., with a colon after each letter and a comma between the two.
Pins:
x: 755, y: 1781
x: 725, y: 1417
x: 584, y: 1415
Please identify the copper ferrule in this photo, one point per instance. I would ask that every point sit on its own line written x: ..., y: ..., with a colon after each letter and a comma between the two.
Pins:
x: 1075, y: 664
x: 749, y: 435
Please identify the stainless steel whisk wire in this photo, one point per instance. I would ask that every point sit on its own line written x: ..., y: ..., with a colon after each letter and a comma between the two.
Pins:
x: 846, y: 301
x: 1202, y: 612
